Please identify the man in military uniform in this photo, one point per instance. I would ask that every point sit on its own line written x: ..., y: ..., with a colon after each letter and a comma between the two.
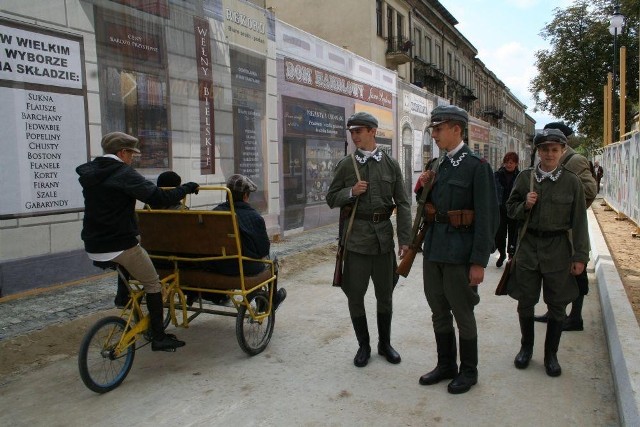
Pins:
x: 579, y: 165
x: 457, y: 247
x: 548, y: 252
x: 370, y: 246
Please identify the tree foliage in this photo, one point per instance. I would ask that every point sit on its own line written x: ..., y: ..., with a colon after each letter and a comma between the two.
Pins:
x: 573, y: 71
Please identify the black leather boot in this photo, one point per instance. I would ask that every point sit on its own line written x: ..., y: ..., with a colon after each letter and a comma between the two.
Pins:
x: 468, y: 375
x: 159, y: 340
x: 573, y: 322
x: 362, y: 334
x: 542, y: 319
x: 447, y: 367
x: 551, y: 343
x: 526, y: 343
x: 384, y: 339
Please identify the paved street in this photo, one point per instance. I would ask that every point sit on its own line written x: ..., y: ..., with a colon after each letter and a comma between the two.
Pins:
x: 306, y: 375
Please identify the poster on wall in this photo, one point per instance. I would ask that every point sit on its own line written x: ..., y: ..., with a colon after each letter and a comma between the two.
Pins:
x: 43, y: 121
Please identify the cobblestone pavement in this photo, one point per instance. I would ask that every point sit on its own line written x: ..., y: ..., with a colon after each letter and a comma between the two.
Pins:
x: 64, y: 303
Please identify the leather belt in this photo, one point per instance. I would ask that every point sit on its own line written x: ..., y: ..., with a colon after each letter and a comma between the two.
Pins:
x: 441, y: 217
x: 540, y: 233
x: 373, y: 217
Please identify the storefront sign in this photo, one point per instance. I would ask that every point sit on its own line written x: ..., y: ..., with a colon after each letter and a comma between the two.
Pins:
x: 34, y: 57
x: 133, y: 43
x: 205, y: 95
x: 44, y: 133
x: 308, y: 75
x: 245, y: 25
x: 478, y: 133
x: 416, y: 104
x: 308, y: 118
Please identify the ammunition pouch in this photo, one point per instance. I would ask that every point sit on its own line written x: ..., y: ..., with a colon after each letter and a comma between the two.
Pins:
x: 462, y: 218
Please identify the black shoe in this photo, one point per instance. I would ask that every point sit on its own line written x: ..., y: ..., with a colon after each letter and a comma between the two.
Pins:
x: 500, y: 260
x: 542, y: 319
x: 523, y: 357
x: 168, y: 342
x: 551, y: 365
x: 572, y: 324
x: 438, y: 374
x: 280, y: 296
x: 362, y: 356
x: 462, y: 383
x: 392, y: 356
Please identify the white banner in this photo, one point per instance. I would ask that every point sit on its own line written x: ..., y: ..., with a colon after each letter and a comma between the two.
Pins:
x: 43, y: 140
x: 621, y: 180
x: 33, y: 57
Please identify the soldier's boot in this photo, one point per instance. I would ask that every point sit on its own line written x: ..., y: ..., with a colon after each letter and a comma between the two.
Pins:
x: 551, y: 343
x: 573, y: 322
x: 159, y: 340
x: 362, y: 334
x: 468, y: 375
x: 526, y: 343
x: 384, y: 339
x: 447, y: 367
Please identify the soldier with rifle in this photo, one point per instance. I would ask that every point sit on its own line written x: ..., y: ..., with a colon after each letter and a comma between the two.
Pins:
x: 372, y: 182
x: 457, y: 247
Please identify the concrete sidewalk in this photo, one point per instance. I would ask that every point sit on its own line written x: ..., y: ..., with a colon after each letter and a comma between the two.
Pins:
x: 313, y: 346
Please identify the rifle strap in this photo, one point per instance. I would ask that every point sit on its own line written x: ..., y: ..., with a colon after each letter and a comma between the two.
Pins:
x: 526, y: 221
x: 423, y: 198
x: 355, y: 206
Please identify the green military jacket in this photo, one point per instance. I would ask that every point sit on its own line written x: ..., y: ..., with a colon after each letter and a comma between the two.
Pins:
x: 385, y: 191
x: 560, y: 206
x: 463, y: 182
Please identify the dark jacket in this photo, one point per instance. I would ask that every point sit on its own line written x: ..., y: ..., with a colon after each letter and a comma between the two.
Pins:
x: 254, y: 239
x: 504, y: 185
x: 110, y: 189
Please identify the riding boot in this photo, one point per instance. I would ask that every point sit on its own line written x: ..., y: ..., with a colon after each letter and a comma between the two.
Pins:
x: 551, y: 343
x: 362, y: 334
x: 501, y: 259
x: 468, y: 375
x: 447, y: 367
x: 542, y: 319
x: 384, y: 339
x: 526, y: 343
x: 159, y: 340
x: 573, y: 322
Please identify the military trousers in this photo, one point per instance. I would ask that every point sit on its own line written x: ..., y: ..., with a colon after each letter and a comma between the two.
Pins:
x: 358, y: 270
x: 449, y: 295
x: 559, y: 288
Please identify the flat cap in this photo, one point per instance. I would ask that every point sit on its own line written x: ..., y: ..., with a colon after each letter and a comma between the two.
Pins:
x: 445, y: 113
x: 549, y: 136
x: 116, y: 141
x: 362, y: 119
x: 566, y: 130
x: 241, y: 184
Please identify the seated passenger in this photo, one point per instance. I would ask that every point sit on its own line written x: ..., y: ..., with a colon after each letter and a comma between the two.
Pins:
x: 253, y: 234
x: 169, y: 179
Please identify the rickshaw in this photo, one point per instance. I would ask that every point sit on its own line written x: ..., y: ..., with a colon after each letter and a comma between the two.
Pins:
x: 182, y: 244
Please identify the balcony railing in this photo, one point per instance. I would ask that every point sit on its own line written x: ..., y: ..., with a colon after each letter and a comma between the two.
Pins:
x: 398, y: 50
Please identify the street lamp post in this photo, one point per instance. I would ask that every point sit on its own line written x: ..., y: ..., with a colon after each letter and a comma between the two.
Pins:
x: 616, y: 24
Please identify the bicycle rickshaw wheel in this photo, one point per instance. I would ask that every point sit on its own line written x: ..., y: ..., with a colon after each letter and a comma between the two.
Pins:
x: 100, y: 370
x: 254, y: 336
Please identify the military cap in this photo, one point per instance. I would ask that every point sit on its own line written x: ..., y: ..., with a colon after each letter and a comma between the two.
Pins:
x: 549, y: 136
x: 445, y: 113
x: 566, y: 130
x: 241, y: 183
x: 362, y: 119
x: 116, y: 141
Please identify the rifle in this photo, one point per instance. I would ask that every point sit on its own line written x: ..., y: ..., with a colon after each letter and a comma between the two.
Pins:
x: 420, y: 226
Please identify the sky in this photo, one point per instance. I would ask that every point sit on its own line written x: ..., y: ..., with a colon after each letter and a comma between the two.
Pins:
x: 506, y: 34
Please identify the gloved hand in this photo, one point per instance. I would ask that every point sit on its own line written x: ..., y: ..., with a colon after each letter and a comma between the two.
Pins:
x: 191, y: 187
